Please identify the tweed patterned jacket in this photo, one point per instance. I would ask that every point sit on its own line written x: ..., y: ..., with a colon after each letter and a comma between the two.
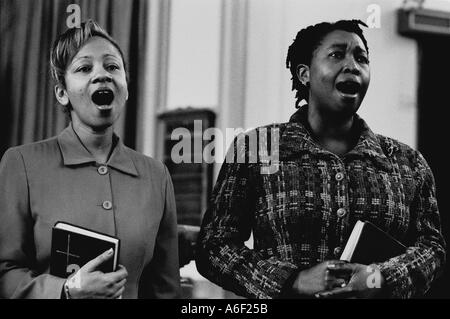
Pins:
x: 303, y: 213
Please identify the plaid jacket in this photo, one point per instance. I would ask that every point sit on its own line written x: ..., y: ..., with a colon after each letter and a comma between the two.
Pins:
x: 303, y: 213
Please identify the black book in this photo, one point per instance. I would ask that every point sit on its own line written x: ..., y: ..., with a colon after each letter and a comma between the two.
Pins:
x: 74, y: 246
x: 369, y: 244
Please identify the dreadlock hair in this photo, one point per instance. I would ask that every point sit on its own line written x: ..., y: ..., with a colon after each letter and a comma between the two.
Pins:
x: 307, y: 41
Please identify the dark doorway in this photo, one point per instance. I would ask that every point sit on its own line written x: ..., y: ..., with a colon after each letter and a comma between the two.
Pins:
x: 434, y: 103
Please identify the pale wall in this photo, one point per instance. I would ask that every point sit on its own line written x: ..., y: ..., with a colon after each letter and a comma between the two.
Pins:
x: 194, y: 53
x: 193, y: 76
x: 390, y: 103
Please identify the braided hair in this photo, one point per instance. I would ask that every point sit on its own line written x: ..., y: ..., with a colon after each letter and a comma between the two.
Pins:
x: 307, y: 41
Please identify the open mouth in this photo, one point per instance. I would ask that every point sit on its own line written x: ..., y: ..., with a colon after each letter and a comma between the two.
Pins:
x: 348, y: 87
x: 103, y: 97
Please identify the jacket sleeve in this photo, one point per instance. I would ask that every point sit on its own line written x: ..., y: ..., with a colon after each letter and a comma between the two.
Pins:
x: 221, y: 255
x: 19, y: 277
x: 411, y: 274
x: 162, y: 276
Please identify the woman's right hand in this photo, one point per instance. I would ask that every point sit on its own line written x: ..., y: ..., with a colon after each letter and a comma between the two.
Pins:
x: 317, y: 279
x: 88, y: 282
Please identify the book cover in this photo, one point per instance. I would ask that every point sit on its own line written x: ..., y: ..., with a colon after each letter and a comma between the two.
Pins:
x: 369, y: 244
x: 74, y: 246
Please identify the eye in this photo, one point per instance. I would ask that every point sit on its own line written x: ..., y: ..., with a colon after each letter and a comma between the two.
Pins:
x: 337, y: 54
x: 362, y: 59
x: 112, y: 67
x: 84, y: 68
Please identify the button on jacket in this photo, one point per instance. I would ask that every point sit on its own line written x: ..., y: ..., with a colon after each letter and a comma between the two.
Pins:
x: 307, y: 208
x: 131, y: 197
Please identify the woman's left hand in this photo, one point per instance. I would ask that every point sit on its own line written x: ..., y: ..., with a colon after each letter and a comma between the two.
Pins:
x: 363, y: 282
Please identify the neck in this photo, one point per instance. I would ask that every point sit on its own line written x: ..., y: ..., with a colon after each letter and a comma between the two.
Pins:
x: 338, y: 135
x: 98, y: 143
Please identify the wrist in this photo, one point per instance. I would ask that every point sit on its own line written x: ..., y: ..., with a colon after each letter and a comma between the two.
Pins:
x: 298, y: 284
x: 66, y: 290
x: 72, y: 286
x: 288, y: 290
x: 377, y: 281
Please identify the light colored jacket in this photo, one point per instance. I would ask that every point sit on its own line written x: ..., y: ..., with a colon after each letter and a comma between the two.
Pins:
x: 58, y: 180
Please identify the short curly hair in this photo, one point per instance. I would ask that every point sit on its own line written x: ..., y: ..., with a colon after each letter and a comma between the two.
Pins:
x: 67, y: 45
x: 307, y: 41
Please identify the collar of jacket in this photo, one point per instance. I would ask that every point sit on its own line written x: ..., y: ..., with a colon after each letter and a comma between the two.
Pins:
x: 296, y: 139
x: 74, y: 152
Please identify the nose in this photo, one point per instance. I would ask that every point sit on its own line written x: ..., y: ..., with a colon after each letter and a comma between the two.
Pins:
x: 351, y: 66
x: 102, y: 75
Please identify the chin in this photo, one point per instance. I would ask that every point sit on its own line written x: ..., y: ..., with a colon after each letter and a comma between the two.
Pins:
x: 344, y: 110
x: 349, y: 104
x: 100, y: 126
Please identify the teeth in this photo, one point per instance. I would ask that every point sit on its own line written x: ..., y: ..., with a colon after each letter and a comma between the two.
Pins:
x: 103, y: 107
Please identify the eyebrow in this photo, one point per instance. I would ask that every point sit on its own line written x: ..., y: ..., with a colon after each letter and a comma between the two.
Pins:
x: 106, y: 55
x: 344, y: 46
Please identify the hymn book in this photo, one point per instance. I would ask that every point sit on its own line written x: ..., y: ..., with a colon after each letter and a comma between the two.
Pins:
x: 74, y: 246
x: 369, y: 244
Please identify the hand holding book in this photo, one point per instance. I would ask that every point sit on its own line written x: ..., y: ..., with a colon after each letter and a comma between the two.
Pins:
x: 316, y: 279
x: 366, y: 245
x: 90, y: 260
x: 89, y: 282
x: 363, y: 281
